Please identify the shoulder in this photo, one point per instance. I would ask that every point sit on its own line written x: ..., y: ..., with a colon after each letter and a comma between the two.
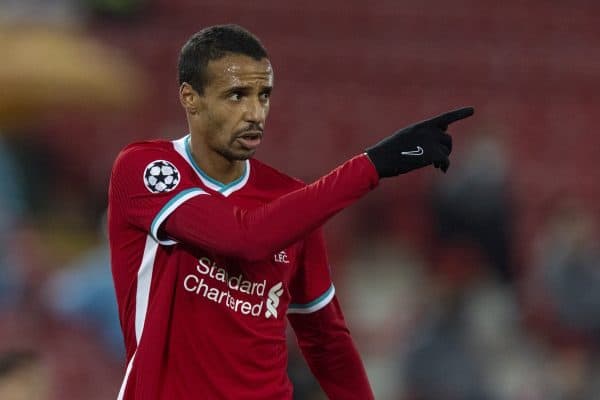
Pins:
x: 267, y: 176
x: 146, y: 152
x: 148, y: 157
x: 141, y: 148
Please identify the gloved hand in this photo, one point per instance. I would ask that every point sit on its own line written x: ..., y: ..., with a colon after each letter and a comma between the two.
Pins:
x: 417, y: 146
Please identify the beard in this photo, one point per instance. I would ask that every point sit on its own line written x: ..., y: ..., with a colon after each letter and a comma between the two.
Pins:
x: 232, y: 154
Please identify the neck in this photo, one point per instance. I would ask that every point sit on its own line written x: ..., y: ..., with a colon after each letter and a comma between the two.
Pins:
x: 214, y: 164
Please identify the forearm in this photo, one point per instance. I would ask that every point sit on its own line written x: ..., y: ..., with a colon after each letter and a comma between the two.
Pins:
x: 211, y: 223
x: 331, y: 354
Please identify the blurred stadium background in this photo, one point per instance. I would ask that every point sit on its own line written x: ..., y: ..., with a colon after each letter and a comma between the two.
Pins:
x: 483, y: 284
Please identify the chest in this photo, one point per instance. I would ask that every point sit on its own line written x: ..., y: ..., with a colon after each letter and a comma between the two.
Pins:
x: 257, y: 289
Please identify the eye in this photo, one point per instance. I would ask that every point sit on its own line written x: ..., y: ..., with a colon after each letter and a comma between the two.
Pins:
x: 235, y: 96
x: 265, y: 96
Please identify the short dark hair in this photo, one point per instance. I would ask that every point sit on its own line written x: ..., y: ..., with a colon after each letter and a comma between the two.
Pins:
x: 211, y: 44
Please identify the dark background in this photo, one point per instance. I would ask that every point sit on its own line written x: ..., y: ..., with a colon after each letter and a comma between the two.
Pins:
x: 479, y: 284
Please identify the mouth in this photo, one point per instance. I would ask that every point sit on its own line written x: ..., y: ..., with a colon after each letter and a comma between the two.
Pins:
x: 250, y: 140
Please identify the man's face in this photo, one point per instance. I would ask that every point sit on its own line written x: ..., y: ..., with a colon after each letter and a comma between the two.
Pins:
x: 234, y: 106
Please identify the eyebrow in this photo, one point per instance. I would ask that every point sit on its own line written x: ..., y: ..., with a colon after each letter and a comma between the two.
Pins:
x: 233, y: 89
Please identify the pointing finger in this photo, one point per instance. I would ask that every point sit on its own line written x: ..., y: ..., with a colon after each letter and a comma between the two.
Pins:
x: 445, y: 119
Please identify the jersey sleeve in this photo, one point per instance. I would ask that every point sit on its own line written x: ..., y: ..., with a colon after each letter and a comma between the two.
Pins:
x: 256, y: 233
x: 311, y: 288
x: 147, y: 185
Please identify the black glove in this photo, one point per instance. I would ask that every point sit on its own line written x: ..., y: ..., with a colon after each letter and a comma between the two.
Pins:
x: 417, y: 146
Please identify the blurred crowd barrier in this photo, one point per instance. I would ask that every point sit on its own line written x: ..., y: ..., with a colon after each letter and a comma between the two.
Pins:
x: 481, y: 284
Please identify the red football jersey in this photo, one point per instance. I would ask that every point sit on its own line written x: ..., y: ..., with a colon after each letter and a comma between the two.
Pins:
x: 198, y: 325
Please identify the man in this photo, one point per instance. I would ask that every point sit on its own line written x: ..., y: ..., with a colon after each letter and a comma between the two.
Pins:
x: 211, y: 250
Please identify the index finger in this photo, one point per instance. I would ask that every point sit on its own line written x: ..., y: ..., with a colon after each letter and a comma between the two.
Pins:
x: 445, y: 119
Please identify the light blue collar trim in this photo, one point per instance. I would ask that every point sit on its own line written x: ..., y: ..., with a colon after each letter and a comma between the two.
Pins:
x: 182, y: 146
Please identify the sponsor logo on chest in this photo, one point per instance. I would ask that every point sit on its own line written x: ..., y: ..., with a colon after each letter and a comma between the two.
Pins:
x: 215, y: 283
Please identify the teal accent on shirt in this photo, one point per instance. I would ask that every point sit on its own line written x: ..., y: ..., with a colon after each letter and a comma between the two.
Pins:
x: 314, y: 302
x: 222, y: 186
x: 164, y: 209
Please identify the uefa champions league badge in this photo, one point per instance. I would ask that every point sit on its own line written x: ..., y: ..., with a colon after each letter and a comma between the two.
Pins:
x: 161, y: 176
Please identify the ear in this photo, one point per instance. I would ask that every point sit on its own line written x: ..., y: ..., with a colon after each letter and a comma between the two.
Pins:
x: 189, y: 98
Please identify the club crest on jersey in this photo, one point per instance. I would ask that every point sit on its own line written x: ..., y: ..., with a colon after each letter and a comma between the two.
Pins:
x: 161, y: 176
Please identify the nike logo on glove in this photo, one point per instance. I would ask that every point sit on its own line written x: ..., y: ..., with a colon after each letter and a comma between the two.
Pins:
x: 417, y: 152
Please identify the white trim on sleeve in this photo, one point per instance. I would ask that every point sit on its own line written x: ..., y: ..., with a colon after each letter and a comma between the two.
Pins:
x: 144, y: 279
x: 168, y: 208
x: 314, y: 305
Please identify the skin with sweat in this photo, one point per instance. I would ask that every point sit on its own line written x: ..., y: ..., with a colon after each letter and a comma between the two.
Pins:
x: 227, y: 120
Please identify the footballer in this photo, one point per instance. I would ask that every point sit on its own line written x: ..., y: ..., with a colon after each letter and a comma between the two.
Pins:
x: 213, y: 251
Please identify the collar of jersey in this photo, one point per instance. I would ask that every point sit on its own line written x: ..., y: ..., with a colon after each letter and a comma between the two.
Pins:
x: 182, y: 146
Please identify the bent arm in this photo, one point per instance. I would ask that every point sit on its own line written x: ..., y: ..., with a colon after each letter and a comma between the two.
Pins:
x: 209, y: 222
x: 331, y: 354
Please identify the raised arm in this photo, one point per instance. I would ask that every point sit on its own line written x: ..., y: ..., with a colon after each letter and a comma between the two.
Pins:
x: 208, y: 222
x: 193, y: 216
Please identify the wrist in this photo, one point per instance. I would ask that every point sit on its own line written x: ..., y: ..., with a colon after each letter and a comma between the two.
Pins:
x: 370, y: 167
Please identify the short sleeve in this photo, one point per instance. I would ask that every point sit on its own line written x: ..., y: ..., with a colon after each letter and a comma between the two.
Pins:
x: 311, y: 288
x: 147, y: 185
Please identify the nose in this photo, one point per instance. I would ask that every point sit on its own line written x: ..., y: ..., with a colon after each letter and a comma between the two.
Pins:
x: 255, y: 111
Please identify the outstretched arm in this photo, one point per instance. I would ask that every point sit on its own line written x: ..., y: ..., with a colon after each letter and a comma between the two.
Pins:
x: 208, y: 222
x: 200, y: 219
x: 257, y: 233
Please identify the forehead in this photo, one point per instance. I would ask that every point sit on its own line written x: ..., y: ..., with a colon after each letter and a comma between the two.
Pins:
x: 239, y: 70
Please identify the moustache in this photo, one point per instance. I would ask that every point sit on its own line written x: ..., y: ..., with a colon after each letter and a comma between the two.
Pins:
x: 250, y: 131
